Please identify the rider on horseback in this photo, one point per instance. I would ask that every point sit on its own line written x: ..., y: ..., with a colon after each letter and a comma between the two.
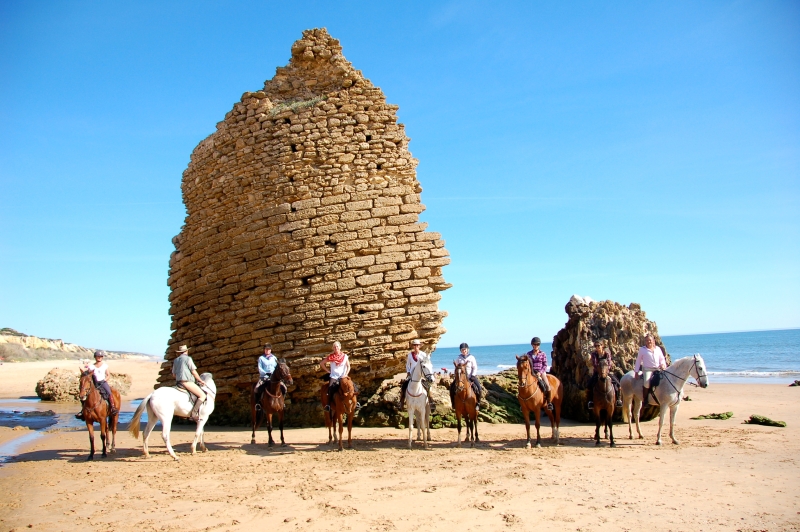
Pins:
x: 412, y: 360
x: 538, y: 362
x: 339, y: 367
x: 601, y: 352
x: 266, y: 366
x: 650, y: 359
x: 471, y: 367
x: 185, y: 372
x: 100, y: 373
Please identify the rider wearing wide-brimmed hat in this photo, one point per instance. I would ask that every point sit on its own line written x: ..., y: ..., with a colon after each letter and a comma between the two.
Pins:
x: 338, y: 367
x: 601, y: 352
x: 100, y: 374
x: 538, y: 361
x: 185, y: 372
x: 649, y: 359
x: 471, y: 366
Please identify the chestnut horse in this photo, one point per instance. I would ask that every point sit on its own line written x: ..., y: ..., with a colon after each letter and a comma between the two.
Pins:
x: 465, y: 404
x: 532, y: 399
x: 604, y: 398
x: 344, y: 403
x: 96, y: 410
x: 271, y: 402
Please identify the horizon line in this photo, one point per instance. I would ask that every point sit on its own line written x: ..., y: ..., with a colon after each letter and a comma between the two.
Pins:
x: 665, y: 336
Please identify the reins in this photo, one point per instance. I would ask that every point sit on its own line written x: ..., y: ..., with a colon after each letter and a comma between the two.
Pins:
x: 685, y: 380
x: 522, y: 385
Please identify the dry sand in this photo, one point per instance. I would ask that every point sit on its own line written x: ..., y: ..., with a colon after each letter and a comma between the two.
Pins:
x: 723, y: 476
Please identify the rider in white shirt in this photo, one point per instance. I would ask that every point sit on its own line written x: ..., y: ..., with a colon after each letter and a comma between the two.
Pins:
x: 99, y: 371
x: 649, y: 359
x: 471, y: 367
x: 338, y: 368
x: 412, y: 360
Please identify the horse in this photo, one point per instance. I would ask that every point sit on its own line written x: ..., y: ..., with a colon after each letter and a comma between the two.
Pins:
x: 604, y: 400
x: 271, y: 402
x: 169, y: 401
x: 97, y: 410
x: 417, y: 404
x: 344, y: 403
x: 668, y: 392
x: 466, y: 403
x: 532, y: 399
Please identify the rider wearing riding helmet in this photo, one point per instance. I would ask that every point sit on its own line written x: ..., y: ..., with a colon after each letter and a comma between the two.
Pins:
x: 100, y: 373
x: 266, y: 366
x: 412, y: 360
x: 185, y: 372
x: 538, y: 362
x: 471, y: 367
x: 650, y: 358
x: 338, y: 367
x: 601, y: 352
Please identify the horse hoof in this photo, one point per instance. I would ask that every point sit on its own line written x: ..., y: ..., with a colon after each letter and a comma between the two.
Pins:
x: 528, y: 445
x: 676, y: 442
x: 90, y: 458
x: 270, y: 444
x: 597, y: 442
x: 253, y: 441
x: 658, y: 442
x: 613, y: 444
x: 283, y: 444
x: 538, y: 445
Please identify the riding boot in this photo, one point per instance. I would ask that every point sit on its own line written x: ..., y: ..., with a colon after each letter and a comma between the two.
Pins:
x: 618, y: 404
x: 645, y: 394
x: 590, y: 397
x: 79, y: 415
x: 403, y: 388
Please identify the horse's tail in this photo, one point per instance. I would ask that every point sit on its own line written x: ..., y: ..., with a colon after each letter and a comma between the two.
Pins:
x: 133, y: 428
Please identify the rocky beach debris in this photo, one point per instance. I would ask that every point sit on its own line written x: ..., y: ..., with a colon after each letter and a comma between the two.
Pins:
x: 622, y: 327
x: 756, y: 419
x: 61, y: 385
x: 303, y: 229
x: 722, y: 416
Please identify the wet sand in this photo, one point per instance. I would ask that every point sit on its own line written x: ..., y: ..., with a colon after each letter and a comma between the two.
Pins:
x: 723, y: 476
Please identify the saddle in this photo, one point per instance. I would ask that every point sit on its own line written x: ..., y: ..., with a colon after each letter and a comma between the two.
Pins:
x: 192, y: 397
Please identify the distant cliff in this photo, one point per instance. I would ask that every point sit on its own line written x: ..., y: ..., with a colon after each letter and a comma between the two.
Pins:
x: 19, y: 347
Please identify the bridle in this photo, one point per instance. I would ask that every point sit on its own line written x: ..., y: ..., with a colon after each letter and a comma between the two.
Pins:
x: 424, y: 375
x: 278, y: 377
x: 523, y: 381
x: 696, y: 367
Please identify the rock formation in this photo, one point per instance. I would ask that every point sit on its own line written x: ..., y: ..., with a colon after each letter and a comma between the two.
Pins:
x: 622, y: 327
x: 61, y: 385
x: 17, y: 346
x: 303, y: 229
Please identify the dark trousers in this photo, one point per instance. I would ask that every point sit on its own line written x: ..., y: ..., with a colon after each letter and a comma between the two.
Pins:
x: 476, y: 387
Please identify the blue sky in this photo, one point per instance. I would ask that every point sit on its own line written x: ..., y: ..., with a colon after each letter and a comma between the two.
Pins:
x: 644, y: 152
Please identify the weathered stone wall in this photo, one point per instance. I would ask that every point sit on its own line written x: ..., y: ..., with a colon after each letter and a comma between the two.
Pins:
x: 622, y: 327
x: 303, y: 229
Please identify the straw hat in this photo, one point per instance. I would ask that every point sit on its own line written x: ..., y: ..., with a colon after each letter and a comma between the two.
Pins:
x: 183, y: 349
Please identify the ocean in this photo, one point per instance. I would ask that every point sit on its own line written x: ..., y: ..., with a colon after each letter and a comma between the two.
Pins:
x: 758, y: 356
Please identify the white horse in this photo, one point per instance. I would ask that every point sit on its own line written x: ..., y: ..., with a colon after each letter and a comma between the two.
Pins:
x: 417, y: 400
x: 166, y: 402
x: 668, y: 392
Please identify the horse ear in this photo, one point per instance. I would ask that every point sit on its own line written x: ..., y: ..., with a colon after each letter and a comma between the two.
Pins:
x: 518, y: 357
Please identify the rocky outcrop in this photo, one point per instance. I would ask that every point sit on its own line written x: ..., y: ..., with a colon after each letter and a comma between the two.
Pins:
x: 61, y: 385
x: 622, y: 327
x: 302, y: 229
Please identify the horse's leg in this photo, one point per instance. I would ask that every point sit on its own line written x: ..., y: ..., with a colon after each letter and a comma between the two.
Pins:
x: 200, y: 433
x: 458, y: 426
x: 104, y: 433
x: 610, y: 423
x: 661, y: 414
x: 637, y: 412
x: 151, y: 423
x: 673, y: 410
x: 350, y: 430
x: 428, y: 419
x: 112, y: 422
x: 537, y: 415
x: 254, y: 418
x: 597, y: 428
x: 410, y: 423
x: 557, y: 420
x: 90, y: 428
x: 527, y: 415
x: 627, y: 411
x: 340, y: 421
x: 166, y: 425
x: 475, y: 427
x: 280, y: 424
x: 269, y: 429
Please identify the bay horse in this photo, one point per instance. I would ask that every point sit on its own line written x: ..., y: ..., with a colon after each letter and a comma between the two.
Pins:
x: 466, y: 403
x: 417, y: 404
x: 668, y: 393
x: 271, y: 402
x: 165, y: 403
x: 97, y: 410
x: 532, y: 399
x: 604, y: 399
x: 344, y: 404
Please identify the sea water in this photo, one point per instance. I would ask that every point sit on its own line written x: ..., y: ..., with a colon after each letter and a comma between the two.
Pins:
x: 759, y: 356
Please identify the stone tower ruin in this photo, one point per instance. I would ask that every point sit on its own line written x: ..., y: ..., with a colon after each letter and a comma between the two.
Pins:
x: 303, y: 229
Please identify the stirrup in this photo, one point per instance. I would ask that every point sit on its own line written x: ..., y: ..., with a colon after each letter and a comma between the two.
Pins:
x: 80, y: 416
x: 591, y: 405
x: 618, y: 403
x: 358, y: 405
x: 550, y: 406
x: 327, y: 408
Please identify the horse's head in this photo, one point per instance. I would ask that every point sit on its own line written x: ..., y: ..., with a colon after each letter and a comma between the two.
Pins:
x: 603, y: 369
x: 85, y: 386
x: 427, y: 367
x: 523, y: 369
x: 699, y: 371
x: 282, y: 373
x: 460, y: 374
x: 208, y: 381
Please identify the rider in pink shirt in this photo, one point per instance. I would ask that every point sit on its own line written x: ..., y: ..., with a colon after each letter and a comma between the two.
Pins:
x: 649, y: 359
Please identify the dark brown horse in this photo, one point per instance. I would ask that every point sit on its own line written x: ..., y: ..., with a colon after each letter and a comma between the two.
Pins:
x: 271, y: 402
x: 465, y: 403
x: 344, y: 403
x: 532, y: 399
x: 97, y: 410
x: 604, y: 398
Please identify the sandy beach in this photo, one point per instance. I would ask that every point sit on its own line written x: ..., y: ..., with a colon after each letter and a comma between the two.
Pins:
x: 724, y: 475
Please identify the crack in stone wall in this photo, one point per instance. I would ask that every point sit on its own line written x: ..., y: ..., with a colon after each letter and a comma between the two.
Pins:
x: 302, y: 229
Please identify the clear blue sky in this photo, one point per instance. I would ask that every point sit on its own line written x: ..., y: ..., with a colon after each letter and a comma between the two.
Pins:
x: 641, y: 151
